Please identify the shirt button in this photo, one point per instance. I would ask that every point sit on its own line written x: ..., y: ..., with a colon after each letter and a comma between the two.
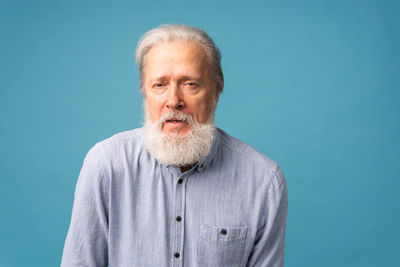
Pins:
x: 180, y: 181
x: 178, y: 218
x: 177, y: 254
x: 223, y: 232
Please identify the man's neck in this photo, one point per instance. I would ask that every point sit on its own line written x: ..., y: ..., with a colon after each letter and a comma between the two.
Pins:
x: 186, y: 167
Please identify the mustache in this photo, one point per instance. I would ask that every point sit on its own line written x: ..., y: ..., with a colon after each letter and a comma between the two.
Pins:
x: 176, y: 115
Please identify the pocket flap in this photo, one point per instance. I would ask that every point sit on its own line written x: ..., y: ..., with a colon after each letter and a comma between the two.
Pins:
x: 222, y: 235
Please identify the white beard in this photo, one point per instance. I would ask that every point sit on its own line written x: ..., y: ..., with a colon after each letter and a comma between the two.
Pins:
x: 181, y: 150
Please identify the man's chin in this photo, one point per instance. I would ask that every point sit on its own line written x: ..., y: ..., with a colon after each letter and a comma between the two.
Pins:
x: 178, y: 147
x: 176, y: 132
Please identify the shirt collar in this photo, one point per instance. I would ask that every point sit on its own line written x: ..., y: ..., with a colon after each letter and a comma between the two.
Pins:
x: 205, y: 162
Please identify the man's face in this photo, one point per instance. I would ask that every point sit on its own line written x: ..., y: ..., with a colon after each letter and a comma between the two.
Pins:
x: 176, y: 78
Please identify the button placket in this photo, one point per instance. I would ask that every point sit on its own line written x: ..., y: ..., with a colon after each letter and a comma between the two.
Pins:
x: 179, y: 223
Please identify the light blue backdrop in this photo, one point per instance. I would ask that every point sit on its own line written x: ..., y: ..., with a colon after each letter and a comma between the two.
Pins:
x: 312, y: 84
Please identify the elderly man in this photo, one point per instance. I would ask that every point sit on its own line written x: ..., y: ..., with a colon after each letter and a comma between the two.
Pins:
x: 179, y: 191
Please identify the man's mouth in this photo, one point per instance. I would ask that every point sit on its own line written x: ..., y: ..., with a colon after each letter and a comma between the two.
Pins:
x: 175, y: 121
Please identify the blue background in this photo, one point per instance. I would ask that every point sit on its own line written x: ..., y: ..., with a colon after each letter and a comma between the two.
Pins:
x: 312, y: 84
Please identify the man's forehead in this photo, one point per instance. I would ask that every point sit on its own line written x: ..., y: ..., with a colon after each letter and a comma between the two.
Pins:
x: 180, y: 57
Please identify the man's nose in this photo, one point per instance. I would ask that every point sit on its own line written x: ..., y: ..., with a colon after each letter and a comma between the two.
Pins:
x: 174, y: 99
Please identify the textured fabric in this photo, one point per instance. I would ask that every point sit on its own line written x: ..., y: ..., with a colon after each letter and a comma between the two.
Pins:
x: 129, y: 210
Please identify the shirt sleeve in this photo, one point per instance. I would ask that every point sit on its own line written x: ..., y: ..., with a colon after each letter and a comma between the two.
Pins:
x: 268, y: 250
x: 87, y: 238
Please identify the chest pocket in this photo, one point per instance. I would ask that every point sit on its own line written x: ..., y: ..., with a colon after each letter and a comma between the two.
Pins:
x: 220, y: 246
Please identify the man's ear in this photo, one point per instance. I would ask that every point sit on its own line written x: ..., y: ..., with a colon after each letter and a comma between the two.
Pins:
x: 217, y: 96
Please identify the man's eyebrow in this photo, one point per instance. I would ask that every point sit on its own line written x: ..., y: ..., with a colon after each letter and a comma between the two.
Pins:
x: 161, y: 78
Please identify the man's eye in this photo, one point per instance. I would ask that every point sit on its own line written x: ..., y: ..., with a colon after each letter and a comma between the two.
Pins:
x: 191, y: 84
x: 158, y: 85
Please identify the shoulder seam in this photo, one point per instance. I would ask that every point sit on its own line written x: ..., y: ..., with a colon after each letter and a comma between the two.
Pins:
x: 100, y: 160
x: 271, y: 176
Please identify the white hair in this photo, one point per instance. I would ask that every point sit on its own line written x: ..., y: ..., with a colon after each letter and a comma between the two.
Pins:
x: 176, y: 149
x: 166, y: 33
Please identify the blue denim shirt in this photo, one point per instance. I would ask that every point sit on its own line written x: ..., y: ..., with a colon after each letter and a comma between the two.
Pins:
x: 129, y: 210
